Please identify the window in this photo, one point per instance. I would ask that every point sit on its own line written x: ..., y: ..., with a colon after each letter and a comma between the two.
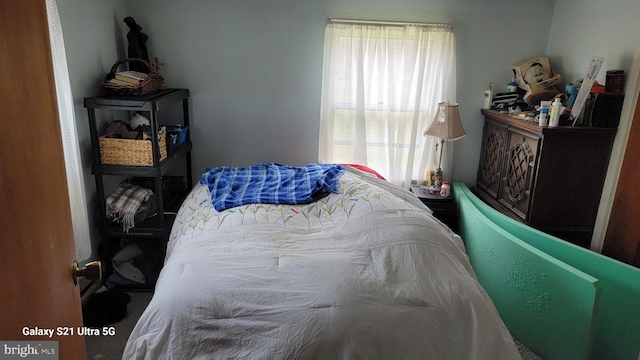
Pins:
x: 382, y: 83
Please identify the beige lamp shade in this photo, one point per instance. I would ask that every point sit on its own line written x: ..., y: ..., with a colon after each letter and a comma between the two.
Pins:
x: 447, y: 125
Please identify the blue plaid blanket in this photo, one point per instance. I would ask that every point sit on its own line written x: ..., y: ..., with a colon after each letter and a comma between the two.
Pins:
x: 270, y: 183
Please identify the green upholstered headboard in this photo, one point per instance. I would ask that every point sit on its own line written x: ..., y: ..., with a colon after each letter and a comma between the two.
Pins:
x: 561, y: 300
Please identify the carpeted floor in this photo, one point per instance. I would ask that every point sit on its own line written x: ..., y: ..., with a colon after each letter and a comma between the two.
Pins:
x: 525, y: 352
x: 111, y: 347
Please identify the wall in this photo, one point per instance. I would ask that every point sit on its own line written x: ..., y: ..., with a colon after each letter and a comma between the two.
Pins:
x: 254, y: 67
x: 580, y: 30
x: 93, y: 39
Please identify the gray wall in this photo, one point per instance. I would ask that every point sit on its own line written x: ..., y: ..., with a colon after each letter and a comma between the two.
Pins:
x: 93, y: 39
x: 583, y: 29
x: 254, y: 67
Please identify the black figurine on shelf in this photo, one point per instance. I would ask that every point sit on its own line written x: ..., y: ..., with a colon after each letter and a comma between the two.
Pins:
x: 137, y: 45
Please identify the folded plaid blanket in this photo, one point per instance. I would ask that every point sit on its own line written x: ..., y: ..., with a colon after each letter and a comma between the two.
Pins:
x: 123, y: 204
x: 270, y: 183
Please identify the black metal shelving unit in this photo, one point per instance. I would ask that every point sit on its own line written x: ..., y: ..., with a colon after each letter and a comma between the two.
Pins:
x: 157, y: 227
x: 167, y: 202
x: 160, y: 225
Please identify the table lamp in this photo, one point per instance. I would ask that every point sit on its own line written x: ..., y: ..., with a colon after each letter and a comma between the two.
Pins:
x: 448, y: 127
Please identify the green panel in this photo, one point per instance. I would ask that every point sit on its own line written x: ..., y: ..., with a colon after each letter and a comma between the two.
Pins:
x: 545, y: 303
x: 617, y: 329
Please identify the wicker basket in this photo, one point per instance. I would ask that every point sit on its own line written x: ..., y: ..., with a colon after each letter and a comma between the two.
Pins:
x: 153, y: 82
x: 129, y: 151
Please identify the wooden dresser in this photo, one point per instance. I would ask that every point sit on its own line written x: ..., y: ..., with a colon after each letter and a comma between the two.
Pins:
x: 548, y: 178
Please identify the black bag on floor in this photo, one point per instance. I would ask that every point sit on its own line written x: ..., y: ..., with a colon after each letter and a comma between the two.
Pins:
x: 104, y: 308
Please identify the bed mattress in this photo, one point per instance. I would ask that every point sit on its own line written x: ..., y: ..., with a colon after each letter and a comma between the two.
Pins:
x: 367, y: 273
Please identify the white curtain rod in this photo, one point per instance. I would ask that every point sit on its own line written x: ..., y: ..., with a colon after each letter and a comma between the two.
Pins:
x: 374, y: 22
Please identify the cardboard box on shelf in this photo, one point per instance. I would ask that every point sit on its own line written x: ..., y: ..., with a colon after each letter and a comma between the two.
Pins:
x: 535, y: 74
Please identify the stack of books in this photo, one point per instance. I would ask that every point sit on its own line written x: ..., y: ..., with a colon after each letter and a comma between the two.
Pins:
x: 128, y: 77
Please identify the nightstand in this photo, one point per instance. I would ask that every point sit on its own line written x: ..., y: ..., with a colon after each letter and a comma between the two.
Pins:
x: 444, y: 209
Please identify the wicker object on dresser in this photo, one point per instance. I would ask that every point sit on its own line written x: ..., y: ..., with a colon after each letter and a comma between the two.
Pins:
x: 548, y: 178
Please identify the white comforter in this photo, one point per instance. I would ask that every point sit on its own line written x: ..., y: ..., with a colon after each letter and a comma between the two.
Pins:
x: 364, y: 274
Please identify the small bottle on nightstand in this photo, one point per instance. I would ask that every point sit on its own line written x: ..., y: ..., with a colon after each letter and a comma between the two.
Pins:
x: 445, y: 189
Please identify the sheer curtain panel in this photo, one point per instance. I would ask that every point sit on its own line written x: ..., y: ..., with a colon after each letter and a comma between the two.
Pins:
x: 381, y: 86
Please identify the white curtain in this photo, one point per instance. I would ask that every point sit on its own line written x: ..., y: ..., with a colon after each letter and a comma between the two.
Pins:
x: 381, y: 86
x: 70, y: 144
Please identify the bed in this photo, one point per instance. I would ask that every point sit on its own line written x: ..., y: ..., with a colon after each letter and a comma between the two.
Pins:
x: 365, y: 272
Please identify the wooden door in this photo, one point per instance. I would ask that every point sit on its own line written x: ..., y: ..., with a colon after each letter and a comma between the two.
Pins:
x: 36, y: 245
x: 622, y: 240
